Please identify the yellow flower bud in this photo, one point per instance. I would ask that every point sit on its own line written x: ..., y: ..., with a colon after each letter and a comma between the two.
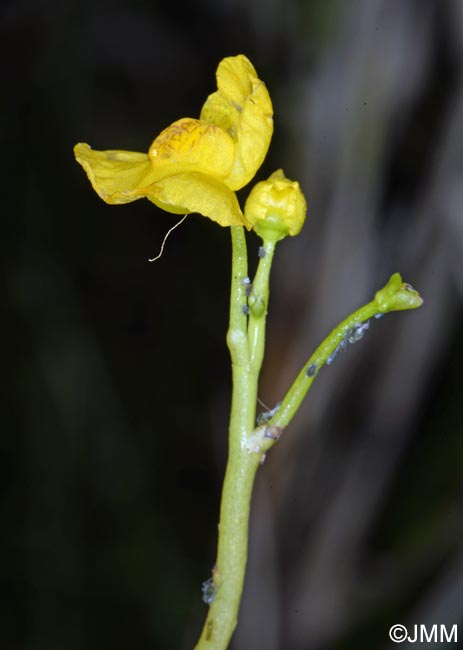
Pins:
x: 276, y: 207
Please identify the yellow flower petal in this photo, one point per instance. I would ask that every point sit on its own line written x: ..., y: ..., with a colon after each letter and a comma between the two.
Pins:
x: 242, y: 107
x: 196, y: 192
x: 116, y: 176
x: 194, y: 165
x: 190, y: 145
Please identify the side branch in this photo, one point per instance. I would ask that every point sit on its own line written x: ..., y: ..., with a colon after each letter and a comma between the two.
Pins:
x: 395, y: 296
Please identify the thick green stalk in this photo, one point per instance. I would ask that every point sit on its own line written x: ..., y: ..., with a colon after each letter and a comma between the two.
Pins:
x: 247, y: 444
x: 228, y: 573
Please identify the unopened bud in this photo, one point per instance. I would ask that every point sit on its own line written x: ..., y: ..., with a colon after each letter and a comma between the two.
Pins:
x: 276, y: 207
x: 397, y: 295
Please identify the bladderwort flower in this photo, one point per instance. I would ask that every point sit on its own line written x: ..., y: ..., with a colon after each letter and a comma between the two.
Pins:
x: 195, y: 165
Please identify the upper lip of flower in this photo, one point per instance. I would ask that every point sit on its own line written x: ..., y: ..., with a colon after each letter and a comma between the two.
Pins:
x: 195, y: 165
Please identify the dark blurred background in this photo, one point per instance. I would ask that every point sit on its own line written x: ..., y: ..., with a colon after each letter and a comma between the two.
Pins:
x: 116, y: 374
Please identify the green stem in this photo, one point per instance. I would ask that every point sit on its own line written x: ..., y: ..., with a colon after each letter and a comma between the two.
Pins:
x: 293, y: 398
x: 395, y: 296
x: 247, y: 445
x: 258, y: 305
x: 228, y: 573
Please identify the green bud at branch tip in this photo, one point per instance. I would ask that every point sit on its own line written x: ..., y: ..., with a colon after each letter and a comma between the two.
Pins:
x: 397, y: 295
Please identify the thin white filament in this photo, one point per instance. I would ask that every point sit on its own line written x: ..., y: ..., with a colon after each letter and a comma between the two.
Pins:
x: 153, y: 259
x: 263, y: 404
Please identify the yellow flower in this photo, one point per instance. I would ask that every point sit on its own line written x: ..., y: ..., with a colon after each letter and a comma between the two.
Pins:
x: 195, y: 165
x: 276, y: 207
